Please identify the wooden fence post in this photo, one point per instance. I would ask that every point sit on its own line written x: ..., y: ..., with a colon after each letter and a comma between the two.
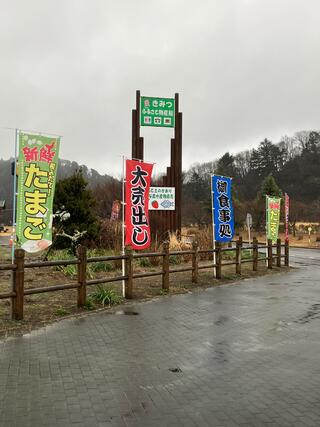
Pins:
x: 195, y: 260
x: 286, y: 253
x: 165, y: 267
x: 278, y: 252
x: 270, y: 254
x: 129, y: 273
x: 82, y: 276
x: 218, y: 260
x: 238, y: 255
x: 18, y: 286
x: 255, y: 254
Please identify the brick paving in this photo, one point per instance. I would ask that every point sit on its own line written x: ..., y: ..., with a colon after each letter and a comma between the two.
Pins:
x: 245, y: 354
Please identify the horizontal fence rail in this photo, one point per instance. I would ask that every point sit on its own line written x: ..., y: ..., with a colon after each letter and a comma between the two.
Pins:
x: 18, y: 292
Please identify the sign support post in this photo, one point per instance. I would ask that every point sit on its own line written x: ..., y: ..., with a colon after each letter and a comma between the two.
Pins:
x: 169, y: 221
x: 249, y: 225
x: 267, y: 230
x: 14, y: 204
x: 123, y: 227
x: 213, y: 231
x: 222, y: 213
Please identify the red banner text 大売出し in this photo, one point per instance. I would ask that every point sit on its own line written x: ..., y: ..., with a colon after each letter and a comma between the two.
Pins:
x: 138, y: 178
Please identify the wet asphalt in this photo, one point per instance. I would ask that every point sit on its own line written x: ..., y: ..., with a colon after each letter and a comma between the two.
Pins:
x: 242, y: 354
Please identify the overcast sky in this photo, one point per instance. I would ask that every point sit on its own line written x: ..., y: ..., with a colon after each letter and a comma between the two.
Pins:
x: 245, y: 70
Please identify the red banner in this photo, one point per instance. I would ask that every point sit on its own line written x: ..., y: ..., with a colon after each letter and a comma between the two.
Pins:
x: 138, y: 177
x: 286, y: 216
x: 116, y: 206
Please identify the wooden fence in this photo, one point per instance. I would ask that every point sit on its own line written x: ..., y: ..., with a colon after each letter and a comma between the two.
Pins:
x: 19, y: 266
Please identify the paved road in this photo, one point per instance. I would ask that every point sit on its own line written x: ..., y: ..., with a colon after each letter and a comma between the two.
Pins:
x: 245, y: 354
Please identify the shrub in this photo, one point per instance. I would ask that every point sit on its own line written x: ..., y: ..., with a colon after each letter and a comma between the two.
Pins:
x: 101, y: 266
x: 88, y: 305
x: 105, y: 296
x: 62, y: 311
x: 174, y: 259
x: 144, y: 262
x: 110, y: 235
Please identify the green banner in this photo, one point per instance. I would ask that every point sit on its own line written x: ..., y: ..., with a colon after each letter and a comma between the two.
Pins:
x: 157, y: 111
x: 273, y: 217
x: 37, y: 170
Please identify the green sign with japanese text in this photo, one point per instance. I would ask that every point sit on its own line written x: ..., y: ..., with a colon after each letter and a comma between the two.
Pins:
x: 273, y: 217
x: 157, y: 111
x: 37, y: 170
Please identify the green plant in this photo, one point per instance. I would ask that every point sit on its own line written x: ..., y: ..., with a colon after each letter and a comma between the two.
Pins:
x: 144, y: 262
x: 229, y: 276
x: 74, y: 195
x: 69, y: 270
x: 62, y: 311
x: 174, y: 259
x: 88, y: 305
x: 101, y: 266
x: 247, y: 254
x: 105, y: 296
x: 230, y: 255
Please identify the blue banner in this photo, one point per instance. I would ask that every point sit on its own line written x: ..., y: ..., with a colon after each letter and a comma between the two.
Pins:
x: 222, y: 209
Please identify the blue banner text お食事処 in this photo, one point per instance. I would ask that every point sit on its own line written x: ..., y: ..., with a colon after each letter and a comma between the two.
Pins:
x: 222, y: 209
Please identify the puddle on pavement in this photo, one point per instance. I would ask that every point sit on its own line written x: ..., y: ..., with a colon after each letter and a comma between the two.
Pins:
x: 221, y: 320
x: 312, y: 313
x: 220, y: 356
x: 274, y: 284
x: 175, y: 370
x: 126, y: 313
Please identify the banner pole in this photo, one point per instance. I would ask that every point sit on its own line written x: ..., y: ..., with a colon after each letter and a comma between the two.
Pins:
x: 123, y: 226
x: 14, y: 207
x: 213, y: 229
x: 266, y: 229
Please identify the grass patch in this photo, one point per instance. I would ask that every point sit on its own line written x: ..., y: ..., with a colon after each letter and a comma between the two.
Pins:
x: 62, y: 311
x: 105, y: 296
x: 89, y: 305
x: 144, y: 262
x: 96, y: 267
x: 174, y: 260
x: 231, y: 255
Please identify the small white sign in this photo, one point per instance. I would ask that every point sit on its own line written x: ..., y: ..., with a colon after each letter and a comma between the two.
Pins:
x: 162, y: 199
x: 249, y: 220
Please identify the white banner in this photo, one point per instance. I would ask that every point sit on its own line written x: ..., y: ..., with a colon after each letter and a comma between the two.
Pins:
x: 162, y: 198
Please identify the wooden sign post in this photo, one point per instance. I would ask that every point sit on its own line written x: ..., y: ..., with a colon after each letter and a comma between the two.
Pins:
x: 169, y: 221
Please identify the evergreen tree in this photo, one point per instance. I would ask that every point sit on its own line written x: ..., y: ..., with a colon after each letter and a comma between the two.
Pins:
x: 73, y: 195
x: 269, y: 187
x: 225, y: 166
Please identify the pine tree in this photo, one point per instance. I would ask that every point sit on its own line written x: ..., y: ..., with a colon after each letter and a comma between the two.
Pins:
x: 269, y: 187
x: 73, y: 195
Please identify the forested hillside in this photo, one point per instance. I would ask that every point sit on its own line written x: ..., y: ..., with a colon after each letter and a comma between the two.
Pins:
x: 294, y: 163
x: 66, y: 168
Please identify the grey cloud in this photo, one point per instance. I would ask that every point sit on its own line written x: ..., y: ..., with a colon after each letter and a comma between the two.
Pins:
x: 245, y: 70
